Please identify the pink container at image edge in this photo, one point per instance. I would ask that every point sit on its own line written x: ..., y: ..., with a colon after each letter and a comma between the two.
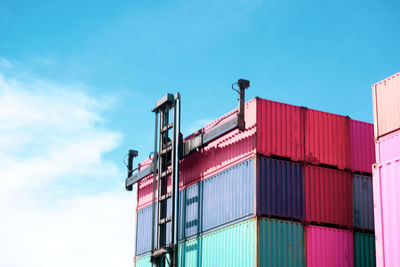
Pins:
x: 386, y: 95
x: 386, y: 186
x: 388, y: 147
x: 329, y: 247
x: 362, y: 147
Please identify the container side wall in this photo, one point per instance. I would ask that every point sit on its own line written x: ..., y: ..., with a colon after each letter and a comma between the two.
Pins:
x: 388, y: 147
x: 376, y: 186
x: 388, y: 176
x: 231, y: 246
x: 143, y: 232
x: 145, y: 191
x: 363, y: 204
x: 279, y: 130
x: 327, y: 139
x: 222, y: 153
x: 281, y: 243
x: 328, y: 196
x: 362, y: 147
x: 329, y: 247
x: 364, y: 250
x: 386, y: 95
x: 221, y: 199
x: 280, y: 189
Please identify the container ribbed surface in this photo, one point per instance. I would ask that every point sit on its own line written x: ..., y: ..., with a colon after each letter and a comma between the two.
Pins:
x: 280, y: 189
x: 364, y: 250
x: 363, y: 204
x: 280, y: 243
x: 231, y: 246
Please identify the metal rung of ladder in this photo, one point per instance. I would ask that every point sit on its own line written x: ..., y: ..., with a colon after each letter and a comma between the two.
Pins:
x: 164, y: 197
x: 166, y: 128
x: 166, y: 150
x: 165, y: 173
x: 165, y: 220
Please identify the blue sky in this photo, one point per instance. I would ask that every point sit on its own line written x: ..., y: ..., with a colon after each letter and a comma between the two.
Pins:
x: 83, y: 76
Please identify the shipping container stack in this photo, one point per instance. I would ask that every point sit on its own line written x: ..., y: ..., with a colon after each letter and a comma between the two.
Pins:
x: 293, y: 189
x: 386, y: 170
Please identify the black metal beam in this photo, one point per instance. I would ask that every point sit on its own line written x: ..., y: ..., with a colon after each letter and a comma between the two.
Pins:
x: 130, y: 181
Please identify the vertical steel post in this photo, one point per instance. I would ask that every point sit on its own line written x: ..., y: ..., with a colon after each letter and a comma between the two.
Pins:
x: 155, y: 162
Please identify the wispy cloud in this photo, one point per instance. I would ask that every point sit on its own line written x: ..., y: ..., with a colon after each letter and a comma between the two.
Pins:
x: 52, y: 137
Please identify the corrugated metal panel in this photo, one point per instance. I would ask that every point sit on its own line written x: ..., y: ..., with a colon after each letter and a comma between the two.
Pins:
x: 386, y: 95
x: 279, y: 130
x: 222, y: 153
x: 280, y: 188
x: 386, y: 185
x: 281, y: 243
x: 328, y: 196
x: 327, y: 139
x: 231, y: 246
x: 145, y: 191
x: 362, y: 147
x: 329, y: 247
x: 364, y: 250
x: 388, y: 147
x: 143, y: 262
x: 363, y: 204
x: 221, y: 199
x: 143, y: 229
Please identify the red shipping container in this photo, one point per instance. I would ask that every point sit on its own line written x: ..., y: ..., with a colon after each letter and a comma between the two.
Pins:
x: 280, y: 130
x: 329, y: 247
x: 386, y: 95
x: 328, y: 196
x: 327, y: 139
x: 362, y: 147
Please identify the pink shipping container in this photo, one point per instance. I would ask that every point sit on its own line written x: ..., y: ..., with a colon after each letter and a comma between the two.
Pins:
x: 388, y: 147
x: 386, y: 95
x: 329, y: 247
x: 386, y: 186
x: 327, y: 139
x: 328, y: 196
x: 362, y: 147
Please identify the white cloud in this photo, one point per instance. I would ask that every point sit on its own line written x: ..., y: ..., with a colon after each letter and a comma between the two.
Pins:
x: 53, y: 136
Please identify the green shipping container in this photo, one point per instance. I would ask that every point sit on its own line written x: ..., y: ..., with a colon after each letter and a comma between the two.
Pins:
x: 280, y: 244
x: 364, y: 250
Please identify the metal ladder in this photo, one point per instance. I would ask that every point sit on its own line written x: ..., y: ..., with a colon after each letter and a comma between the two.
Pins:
x: 166, y: 158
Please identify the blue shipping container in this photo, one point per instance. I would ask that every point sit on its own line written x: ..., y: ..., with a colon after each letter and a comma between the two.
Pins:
x: 363, y: 205
x: 280, y: 189
x: 217, y: 201
x: 143, y: 229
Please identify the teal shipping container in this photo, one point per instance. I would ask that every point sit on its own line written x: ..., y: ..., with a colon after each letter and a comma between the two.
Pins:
x: 255, y: 242
x: 364, y: 250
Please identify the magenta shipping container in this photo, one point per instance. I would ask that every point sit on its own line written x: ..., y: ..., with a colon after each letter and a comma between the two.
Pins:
x: 362, y: 147
x: 386, y: 95
x: 386, y: 185
x: 388, y: 147
x: 329, y: 247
